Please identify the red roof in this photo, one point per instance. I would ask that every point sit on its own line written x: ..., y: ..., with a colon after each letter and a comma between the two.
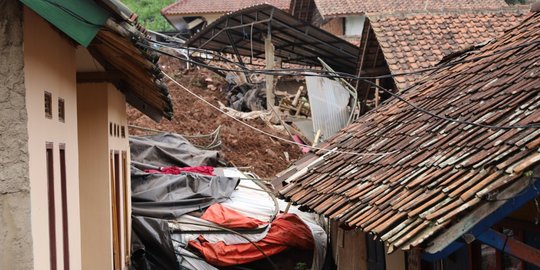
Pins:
x: 415, y: 176
x: 194, y: 7
x: 420, y: 40
x: 333, y: 8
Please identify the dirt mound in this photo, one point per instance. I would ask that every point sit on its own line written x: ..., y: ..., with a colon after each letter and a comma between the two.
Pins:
x: 241, y: 146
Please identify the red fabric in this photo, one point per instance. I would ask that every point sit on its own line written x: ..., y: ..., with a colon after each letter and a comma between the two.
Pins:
x: 206, y: 170
x: 287, y: 230
x: 229, y: 218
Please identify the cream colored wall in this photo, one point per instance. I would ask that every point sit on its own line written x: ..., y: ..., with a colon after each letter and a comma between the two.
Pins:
x: 99, y: 105
x: 50, y: 66
x: 117, y: 115
x: 94, y: 176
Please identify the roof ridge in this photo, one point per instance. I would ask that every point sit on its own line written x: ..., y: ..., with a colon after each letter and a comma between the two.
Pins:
x: 457, y: 11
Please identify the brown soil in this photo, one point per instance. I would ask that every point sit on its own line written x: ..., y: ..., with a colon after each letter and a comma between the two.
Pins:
x: 241, y: 146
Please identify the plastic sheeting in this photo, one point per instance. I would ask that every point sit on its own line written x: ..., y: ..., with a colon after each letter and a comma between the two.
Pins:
x: 186, y: 224
x: 287, y: 230
x: 168, y: 149
x: 151, y: 245
x: 170, y: 196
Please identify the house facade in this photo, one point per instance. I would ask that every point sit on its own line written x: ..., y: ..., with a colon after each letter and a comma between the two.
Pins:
x: 65, y: 191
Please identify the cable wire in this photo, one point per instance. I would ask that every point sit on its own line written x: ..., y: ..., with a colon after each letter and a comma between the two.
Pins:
x: 398, y: 96
x: 264, y: 132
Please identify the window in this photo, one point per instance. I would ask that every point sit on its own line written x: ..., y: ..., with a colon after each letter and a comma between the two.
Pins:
x: 123, y: 130
x: 48, y: 105
x: 110, y: 128
x: 61, y: 110
x: 51, y: 206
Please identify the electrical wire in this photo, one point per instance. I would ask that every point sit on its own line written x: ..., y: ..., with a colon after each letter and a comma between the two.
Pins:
x: 264, y: 132
x: 399, y: 97
x: 323, y: 73
x: 420, y: 109
x: 344, y: 75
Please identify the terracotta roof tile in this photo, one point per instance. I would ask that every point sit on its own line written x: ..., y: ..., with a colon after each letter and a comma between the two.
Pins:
x: 441, y: 33
x: 193, y: 7
x: 435, y: 172
x: 329, y: 8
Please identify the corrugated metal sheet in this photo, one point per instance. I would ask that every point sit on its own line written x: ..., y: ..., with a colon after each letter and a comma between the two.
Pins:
x: 328, y: 100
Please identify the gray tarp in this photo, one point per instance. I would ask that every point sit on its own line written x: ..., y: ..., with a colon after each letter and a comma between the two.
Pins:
x: 169, y: 196
x: 157, y: 197
x: 169, y: 149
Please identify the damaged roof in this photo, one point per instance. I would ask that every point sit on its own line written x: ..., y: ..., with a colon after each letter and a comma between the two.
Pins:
x: 125, y: 53
x: 338, y: 8
x: 197, y: 7
x: 114, y: 38
x: 295, y: 41
x: 416, y: 41
x: 415, y: 176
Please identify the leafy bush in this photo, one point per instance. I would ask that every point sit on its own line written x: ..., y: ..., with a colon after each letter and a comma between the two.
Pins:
x: 149, y: 13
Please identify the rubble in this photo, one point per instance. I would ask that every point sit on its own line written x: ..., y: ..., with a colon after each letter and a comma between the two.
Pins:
x: 189, y: 214
x: 241, y: 145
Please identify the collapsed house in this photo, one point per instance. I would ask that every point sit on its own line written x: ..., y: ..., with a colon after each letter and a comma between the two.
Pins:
x: 190, y: 214
x: 447, y: 175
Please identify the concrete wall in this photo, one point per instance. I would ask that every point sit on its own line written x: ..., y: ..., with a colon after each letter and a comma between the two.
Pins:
x: 101, y: 105
x: 50, y: 66
x: 15, y: 234
x: 94, y: 177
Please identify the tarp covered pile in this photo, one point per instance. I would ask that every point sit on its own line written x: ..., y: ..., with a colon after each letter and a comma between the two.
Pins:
x: 187, y: 214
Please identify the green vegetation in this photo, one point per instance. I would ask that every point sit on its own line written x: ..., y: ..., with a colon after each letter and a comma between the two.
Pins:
x: 149, y: 13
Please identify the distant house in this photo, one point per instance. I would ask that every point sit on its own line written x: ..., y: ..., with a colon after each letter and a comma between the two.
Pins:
x: 404, y: 43
x: 66, y: 71
x: 346, y: 18
x: 188, y: 15
x: 448, y: 177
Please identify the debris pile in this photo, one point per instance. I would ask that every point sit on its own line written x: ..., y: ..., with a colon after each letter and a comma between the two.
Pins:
x: 240, y: 145
x: 190, y: 214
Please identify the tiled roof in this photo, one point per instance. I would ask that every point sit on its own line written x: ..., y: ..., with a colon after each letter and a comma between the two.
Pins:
x: 193, y: 7
x: 420, y: 40
x: 427, y: 173
x: 332, y: 8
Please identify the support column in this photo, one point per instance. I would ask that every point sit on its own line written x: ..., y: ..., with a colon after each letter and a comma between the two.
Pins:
x: 269, y: 56
x: 15, y: 226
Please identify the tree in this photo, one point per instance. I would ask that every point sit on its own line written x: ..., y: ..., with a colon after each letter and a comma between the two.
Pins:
x: 149, y: 13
